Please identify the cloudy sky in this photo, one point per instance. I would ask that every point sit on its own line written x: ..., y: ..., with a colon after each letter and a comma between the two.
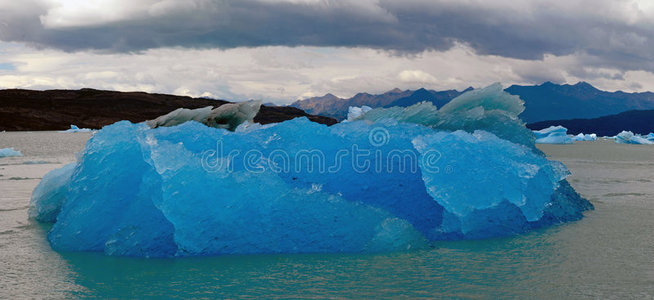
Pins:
x: 282, y: 50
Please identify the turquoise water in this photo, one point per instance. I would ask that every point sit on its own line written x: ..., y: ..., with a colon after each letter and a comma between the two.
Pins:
x: 608, y: 254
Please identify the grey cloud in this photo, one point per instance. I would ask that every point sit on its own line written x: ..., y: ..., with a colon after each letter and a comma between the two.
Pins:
x: 605, y: 37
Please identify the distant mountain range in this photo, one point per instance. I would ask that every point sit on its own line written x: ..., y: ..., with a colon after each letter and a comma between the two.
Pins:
x: 547, y: 101
x: 636, y: 121
x: 335, y: 107
x: 550, y: 101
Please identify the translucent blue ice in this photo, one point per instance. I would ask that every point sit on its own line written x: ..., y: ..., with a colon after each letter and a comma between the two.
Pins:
x: 585, y: 137
x: 75, y: 129
x: 490, y: 109
x: 553, y: 135
x: 49, y: 195
x: 298, y: 186
x: 628, y: 137
x: 527, y: 178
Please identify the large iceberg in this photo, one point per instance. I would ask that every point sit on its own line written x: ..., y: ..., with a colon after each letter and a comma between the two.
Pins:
x: 49, y: 194
x: 553, y: 135
x: 394, y: 179
x: 628, y: 137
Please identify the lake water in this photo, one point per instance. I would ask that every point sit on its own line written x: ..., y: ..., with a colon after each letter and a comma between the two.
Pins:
x: 608, y: 254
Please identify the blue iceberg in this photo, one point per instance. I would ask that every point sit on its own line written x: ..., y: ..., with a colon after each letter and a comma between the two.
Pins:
x: 489, y: 109
x: 9, y: 152
x: 553, y: 135
x: 75, y: 129
x: 584, y: 137
x: 391, y: 179
x: 628, y: 137
x: 49, y: 194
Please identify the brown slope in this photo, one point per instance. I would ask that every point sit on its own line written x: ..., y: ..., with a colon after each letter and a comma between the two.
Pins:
x: 89, y: 108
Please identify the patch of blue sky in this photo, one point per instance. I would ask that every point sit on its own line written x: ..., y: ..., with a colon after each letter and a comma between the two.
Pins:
x: 7, y: 66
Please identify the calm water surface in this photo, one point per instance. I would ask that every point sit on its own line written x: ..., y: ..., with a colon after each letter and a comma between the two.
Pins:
x: 608, y: 254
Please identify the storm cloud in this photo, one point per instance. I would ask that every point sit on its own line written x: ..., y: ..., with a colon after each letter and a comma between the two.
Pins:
x: 612, y: 34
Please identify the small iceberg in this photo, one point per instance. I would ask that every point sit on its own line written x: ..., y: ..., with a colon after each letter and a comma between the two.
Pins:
x: 9, y: 152
x: 391, y: 179
x: 354, y: 112
x: 584, y: 137
x: 628, y: 137
x: 227, y: 116
x: 74, y: 129
x: 553, y: 135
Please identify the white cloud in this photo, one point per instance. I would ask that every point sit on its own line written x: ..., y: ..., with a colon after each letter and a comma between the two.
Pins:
x: 416, y: 76
x: 619, y: 34
x: 283, y: 74
x: 166, y: 7
x: 71, y: 13
x: 171, y: 46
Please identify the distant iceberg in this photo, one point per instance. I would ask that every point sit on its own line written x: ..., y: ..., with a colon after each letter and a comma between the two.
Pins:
x: 227, y: 116
x: 354, y: 112
x: 8, y: 152
x: 628, y: 137
x: 74, y: 129
x: 392, y: 179
x: 584, y: 137
x: 181, y: 115
x: 553, y: 135
x: 559, y: 135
